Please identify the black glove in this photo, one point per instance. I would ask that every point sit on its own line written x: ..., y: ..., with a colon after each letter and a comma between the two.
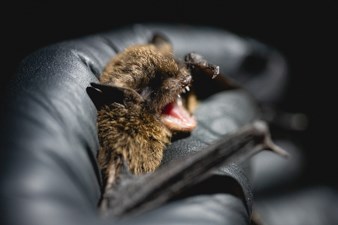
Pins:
x: 49, y: 173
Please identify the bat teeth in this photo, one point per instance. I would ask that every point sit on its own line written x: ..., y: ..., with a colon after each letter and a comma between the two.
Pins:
x: 178, y: 96
x: 187, y: 88
x: 179, y: 101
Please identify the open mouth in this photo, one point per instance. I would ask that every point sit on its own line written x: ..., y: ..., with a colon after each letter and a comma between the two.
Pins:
x: 176, y: 117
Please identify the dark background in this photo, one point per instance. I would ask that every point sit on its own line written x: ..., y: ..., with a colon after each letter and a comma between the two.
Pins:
x: 304, y: 34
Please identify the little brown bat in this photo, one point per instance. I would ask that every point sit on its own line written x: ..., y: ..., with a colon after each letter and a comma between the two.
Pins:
x: 140, y: 106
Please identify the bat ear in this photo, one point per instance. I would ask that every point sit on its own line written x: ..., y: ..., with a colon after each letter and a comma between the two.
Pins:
x: 102, y: 94
x: 162, y: 42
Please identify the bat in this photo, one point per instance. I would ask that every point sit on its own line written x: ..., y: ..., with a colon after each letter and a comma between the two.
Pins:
x: 140, y: 105
x: 145, y: 96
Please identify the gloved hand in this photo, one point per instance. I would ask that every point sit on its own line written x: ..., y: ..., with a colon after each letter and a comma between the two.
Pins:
x: 49, y: 173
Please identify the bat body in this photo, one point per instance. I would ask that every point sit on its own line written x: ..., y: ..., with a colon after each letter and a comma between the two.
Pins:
x: 139, y: 109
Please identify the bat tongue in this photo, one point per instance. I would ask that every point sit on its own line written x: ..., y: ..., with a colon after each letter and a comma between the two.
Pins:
x: 177, y: 118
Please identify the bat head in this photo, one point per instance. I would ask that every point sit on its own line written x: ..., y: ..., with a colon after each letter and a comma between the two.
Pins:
x: 167, y: 84
x: 148, y: 75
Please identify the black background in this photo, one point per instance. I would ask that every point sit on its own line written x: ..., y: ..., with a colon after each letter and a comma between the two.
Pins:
x: 304, y: 34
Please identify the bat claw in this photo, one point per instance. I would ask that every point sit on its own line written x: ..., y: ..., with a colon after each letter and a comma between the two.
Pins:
x: 268, y: 144
x: 216, y: 72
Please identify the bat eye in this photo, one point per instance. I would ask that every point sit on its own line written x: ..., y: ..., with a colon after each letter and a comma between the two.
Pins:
x: 163, y: 76
x: 158, y: 81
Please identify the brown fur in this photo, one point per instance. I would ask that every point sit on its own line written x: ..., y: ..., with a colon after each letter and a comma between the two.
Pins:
x: 129, y: 133
x: 132, y: 131
x: 152, y: 71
